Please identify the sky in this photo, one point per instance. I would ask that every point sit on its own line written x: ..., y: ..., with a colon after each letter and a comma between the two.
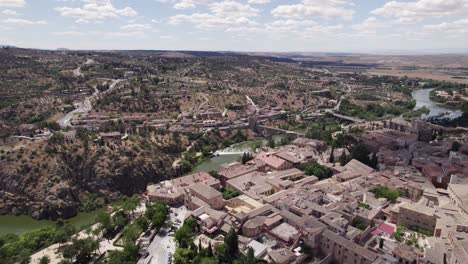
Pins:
x: 369, y: 26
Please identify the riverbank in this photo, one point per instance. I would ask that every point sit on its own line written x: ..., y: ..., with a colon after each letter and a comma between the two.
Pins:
x: 232, y: 153
x: 11, y: 224
x: 423, y: 99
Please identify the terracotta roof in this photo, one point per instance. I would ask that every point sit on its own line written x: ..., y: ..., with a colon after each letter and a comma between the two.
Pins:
x: 271, y: 160
x: 359, y: 167
x: 206, y: 191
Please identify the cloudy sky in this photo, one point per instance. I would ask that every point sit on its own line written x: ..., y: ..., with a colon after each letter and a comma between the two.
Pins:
x: 238, y: 25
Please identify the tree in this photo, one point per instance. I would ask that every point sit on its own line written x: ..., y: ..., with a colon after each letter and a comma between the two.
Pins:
x: 131, y: 233
x: 374, y: 161
x: 384, y: 192
x: 250, y: 258
x: 158, y: 219
x: 60, y: 237
x: 59, y: 223
x: 343, y: 159
x: 244, y: 158
x: 399, y: 233
x: 332, y: 156
x: 129, y: 254
x: 361, y: 153
x: 455, y: 146
x: 209, y: 260
x: 183, y: 236
x: 81, y: 250
x: 209, y: 251
x: 271, y: 142
x: 44, y: 260
x: 182, y: 255
x: 130, y: 251
x: 143, y: 223
x: 317, y: 170
x: 24, y: 256
x: 231, y: 242
x: 131, y: 203
x: 69, y: 229
x: 119, y: 220
x: 230, y: 193
x: 359, y: 223
x: 104, y: 219
x: 214, y: 174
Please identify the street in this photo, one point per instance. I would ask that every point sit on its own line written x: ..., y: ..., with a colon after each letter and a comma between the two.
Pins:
x: 162, y: 243
x: 85, y: 106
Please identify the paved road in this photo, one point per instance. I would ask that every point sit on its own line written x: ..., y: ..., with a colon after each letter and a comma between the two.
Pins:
x: 77, y: 72
x: 252, y: 102
x: 162, y: 244
x: 84, y: 106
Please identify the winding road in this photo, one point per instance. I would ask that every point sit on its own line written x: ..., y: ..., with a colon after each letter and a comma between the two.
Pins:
x: 252, y: 102
x: 85, y: 106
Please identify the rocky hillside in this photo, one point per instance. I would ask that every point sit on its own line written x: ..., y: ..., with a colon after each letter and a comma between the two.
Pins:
x: 50, y: 179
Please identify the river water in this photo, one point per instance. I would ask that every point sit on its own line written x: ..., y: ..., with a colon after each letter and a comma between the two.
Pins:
x: 232, y: 153
x: 422, y: 98
x: 23, y: 223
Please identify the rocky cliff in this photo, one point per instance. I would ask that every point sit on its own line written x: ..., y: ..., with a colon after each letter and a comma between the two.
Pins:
x: 49, y: 179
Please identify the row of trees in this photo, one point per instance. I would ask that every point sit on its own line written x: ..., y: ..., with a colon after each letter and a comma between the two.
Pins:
x: 18, y: 248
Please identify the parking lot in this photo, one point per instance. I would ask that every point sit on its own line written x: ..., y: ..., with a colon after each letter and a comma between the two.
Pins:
x: 163, y: 245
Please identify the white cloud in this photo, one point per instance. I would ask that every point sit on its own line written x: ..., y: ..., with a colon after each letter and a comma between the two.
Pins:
x: 288, y: 25
x: 22, y: 22
x: 370, y: 25
x: 137, y: 27
x: 292, y: 23
x: 94, y: 10
x: 9, y: 12
x: 259, y: 1
x: 185, y: 4
x: 413, y: 11
x: 457, y: 27
x: 188, y: 4
x: 245, y: 29
x: 223, y: 15
x: 323, y: 29
x: 68, y: 33
x: 331, y: 9
x: 13, y: 3
x: 126, y: 34
x: 207, y: 21
x: 3, y: 28
x: 166, y: 37
x: 233, y: 9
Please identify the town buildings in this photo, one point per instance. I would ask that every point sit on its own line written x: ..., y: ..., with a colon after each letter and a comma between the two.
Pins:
x: 341, y: 219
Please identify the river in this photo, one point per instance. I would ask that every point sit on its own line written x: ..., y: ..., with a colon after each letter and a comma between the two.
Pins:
x: 422, y: 98
x: 232, y: 153
x: 23, y: 223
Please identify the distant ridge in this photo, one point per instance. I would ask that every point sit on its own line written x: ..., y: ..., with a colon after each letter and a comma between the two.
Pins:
x: 7, y: 47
